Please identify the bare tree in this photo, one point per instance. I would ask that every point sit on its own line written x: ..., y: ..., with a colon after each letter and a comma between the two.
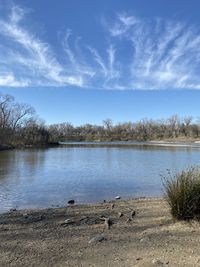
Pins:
x: 187, y: 120
x: 174, y: 125
x: 34, y: 132
x: 12, y: 116
x: 108, y: 124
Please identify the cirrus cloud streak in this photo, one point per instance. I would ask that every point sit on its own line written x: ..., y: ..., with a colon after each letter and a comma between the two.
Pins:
x: 141, y: 54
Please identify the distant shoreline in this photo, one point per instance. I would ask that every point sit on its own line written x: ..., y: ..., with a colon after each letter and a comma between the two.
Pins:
x: 9, y: 147
x: 193, y: 144
x: 181, y: 144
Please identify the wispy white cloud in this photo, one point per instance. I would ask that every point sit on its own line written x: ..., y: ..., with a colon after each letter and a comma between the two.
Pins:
x: 31, y: 59
x: 141, y: 54
x: 16, y: 14
x: 107, y: 67
x: 123, y: 24
x: 165, y: 54
x: 9, y: 79
x: 99, y: 61
x: 113, y: 73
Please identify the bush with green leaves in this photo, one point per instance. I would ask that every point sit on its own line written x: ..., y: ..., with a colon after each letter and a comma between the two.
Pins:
x: 182, y: 192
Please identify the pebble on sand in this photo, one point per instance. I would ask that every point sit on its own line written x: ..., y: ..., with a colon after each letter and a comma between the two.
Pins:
x: 97, y: 239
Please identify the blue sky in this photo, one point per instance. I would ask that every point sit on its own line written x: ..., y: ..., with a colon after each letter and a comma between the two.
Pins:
x: 84, y: 61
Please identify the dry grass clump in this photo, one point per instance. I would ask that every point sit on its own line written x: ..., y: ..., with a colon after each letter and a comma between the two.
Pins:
x: 182, y: 192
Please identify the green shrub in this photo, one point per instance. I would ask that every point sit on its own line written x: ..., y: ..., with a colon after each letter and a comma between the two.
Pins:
x: 182, y: 192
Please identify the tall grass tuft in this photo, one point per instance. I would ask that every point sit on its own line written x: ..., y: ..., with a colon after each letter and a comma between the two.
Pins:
x: 182, y: 192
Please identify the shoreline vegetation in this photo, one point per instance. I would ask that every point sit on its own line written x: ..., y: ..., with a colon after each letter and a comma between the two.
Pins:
x: 20, y: 127
x: 138, y: 232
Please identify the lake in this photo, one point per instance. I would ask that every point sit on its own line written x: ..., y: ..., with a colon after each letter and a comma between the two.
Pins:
x: 40, y: 178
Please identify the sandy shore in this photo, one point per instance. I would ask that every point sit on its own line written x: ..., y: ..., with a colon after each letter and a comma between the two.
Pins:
x: 148, y: 238
x: 164, y: 143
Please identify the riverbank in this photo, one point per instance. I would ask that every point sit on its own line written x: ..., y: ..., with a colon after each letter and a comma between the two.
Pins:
x: 164, y: 143
x: 5, y: 147
x: 141, y: 233
x: 47, y: 145
x: 189, y: 144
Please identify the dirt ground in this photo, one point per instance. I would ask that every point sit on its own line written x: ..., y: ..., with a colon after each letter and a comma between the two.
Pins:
x: 138, y: 233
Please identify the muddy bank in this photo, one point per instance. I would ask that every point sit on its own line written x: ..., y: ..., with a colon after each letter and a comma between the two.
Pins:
x: 139, y: 233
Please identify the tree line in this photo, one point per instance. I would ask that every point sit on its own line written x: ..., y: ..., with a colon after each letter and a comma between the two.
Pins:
x: 20, y: 126
x: 143, y: 130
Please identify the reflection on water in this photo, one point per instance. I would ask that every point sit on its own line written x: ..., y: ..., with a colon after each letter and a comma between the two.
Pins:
x: 48, y: 177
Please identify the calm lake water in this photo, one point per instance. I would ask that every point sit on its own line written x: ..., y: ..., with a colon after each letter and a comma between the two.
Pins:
x: 50, y: 177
